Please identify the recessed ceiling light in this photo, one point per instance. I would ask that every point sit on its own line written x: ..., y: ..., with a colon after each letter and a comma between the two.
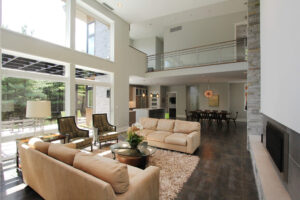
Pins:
x: 119, y: 4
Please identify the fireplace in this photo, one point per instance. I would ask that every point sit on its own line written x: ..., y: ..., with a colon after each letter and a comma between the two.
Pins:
x: 283, y: 145
x: 275, y: 144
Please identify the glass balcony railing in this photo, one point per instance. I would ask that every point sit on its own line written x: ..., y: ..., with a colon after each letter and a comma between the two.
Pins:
x: 212, y: 54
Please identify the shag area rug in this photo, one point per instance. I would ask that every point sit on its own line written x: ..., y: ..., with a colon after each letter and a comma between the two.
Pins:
x: 175, y: 169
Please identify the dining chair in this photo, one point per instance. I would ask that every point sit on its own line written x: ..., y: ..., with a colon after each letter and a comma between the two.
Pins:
x: 188, y: 115
x: 233, y: 119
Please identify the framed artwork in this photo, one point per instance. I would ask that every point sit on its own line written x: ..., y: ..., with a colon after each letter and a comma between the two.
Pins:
x: 213, y: 101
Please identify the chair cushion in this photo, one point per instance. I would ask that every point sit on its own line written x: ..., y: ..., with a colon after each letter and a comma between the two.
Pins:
x: 144, y: 132
x: 149, y: 123
x: 62, y: 153
x: 106, y: 169
x: 165, y: 125
x: 177, y: 139
x: 158, y: 136
x: 186, y: 127
x: 42, y: 146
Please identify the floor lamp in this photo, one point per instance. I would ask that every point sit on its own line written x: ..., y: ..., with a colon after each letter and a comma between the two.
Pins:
x: 38, y: 110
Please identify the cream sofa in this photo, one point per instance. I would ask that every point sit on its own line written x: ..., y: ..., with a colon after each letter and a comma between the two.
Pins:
x: 175, y: 135
x: 61, y: 173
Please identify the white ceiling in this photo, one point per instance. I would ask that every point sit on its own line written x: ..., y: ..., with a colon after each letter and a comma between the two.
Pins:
x: 140, y: 10
x: 237, y: 76
x: 149, y: 18
x: 157, y: 26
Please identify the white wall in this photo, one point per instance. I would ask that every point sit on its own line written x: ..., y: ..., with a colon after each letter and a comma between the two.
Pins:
x: 237, y: 100
x: 222, y: 89
x: 280, y: 68
x: 146, y: 45
x: 231, y: 97
x: 202, y: 32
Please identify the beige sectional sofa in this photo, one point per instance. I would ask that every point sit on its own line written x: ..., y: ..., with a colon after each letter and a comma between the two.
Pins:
x: 175, y: 135
x: 57, y: 172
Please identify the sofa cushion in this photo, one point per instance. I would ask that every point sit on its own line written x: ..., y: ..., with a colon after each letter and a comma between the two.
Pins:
x: 165, y: 125
x: 144, y: 132
x: 62, y: 153
x: 177, y: 139
x: 186, y: 127
x: 149, y: 123
x: 106, y: 169
x: 158, y: 136
x: 133, y: 171
x: 42, y: 146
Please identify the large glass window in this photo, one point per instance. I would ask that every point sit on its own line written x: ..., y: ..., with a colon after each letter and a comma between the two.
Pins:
x: 15, y: 94
x: 44, y: 19
x: 85, y: 105
x: 92, y: 35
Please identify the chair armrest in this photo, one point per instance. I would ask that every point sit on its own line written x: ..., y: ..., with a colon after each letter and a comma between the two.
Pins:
x: 113, y: 126
x: 83, y: 133
x: 193, y: 141
x: 144, y: 185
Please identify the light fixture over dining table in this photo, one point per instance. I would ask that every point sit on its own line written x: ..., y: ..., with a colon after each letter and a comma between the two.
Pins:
x: 208, y: 93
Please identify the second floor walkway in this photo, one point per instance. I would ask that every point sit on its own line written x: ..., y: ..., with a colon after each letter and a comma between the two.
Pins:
x: 212, y: 54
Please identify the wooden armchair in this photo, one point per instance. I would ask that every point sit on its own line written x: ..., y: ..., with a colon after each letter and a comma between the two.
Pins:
x: 79, y: 137
x: 103, y: 130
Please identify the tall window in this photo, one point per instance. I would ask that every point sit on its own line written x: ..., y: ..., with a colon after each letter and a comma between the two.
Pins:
x: 91, y: 38
x: 92, y: 35
x: 44, y: 19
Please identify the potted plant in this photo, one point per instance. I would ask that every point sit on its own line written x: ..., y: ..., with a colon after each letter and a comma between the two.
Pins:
x: 134, y: 139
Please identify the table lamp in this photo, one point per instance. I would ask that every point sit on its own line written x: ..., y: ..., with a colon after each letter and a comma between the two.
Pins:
x: 39, y: 110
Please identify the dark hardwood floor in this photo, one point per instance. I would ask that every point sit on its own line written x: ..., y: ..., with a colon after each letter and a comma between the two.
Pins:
x: 225, y: 169
x: 223, y: 172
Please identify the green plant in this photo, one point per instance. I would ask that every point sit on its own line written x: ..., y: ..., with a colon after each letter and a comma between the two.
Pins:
x: 134, y: 139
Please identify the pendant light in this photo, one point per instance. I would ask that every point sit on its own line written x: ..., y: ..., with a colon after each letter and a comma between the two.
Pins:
x: 208, y: 93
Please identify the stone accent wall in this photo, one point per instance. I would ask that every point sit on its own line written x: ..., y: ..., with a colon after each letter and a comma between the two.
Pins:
x: 254, y: 118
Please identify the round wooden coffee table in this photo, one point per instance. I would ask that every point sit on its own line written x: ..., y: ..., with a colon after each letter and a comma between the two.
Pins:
x: 135, y: 157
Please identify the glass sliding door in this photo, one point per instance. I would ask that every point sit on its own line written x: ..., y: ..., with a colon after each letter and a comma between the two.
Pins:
x: 84, y: 105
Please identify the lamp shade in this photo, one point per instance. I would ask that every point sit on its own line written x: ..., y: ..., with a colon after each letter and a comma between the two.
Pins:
x: 38, y: 109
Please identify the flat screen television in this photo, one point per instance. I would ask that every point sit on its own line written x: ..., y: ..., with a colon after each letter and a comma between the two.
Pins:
x: 173, y: 100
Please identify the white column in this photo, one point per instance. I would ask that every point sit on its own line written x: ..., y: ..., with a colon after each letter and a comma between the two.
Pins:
x: 70, y: 90
x: 70, y: 70
x: 71, y: 19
